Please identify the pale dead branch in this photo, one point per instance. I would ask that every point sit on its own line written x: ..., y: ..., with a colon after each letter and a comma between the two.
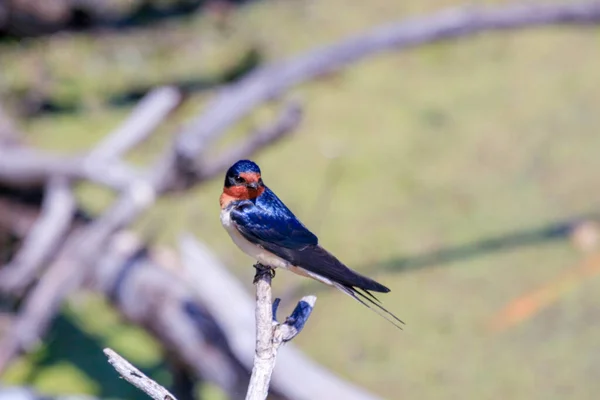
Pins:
x: 136, y: 377
x: 270, y: 334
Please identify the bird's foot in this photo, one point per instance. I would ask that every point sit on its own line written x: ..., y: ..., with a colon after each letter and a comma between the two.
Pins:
x: 263, y: 270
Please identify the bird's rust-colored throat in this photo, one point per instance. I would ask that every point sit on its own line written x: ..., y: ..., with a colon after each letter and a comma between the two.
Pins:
x: 241, y: 192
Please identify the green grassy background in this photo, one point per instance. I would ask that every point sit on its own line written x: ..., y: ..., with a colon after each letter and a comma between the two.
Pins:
x: 399, y: 156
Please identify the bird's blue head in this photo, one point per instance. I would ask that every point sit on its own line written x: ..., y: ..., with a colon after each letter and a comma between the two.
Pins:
x: 242, y: 182
x: 239, y: 168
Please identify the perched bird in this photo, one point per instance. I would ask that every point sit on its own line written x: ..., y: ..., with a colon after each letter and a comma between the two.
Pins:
x: 265, y: 229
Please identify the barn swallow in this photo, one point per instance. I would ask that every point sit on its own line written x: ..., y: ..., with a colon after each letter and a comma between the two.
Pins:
x: 262, y: 226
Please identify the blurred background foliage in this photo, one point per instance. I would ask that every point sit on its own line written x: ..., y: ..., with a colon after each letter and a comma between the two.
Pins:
x: 463, y: 175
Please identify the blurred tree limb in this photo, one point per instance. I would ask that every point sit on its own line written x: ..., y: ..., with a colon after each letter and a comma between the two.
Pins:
x: 274, y: 80
x: 45, y: 237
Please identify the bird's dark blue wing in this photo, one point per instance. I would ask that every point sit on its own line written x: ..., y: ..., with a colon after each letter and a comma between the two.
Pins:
x: 271, y: 222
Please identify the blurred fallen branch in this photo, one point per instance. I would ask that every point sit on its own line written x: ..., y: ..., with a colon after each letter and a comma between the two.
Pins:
x: 237, y: 100
x: 44, y: 239
x: 137, y: 378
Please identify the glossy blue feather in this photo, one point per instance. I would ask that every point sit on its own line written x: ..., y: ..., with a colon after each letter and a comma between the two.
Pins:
x: 267, y: 219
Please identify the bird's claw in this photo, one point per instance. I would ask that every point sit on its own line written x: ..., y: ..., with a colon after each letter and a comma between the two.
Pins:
x: 262, y: 270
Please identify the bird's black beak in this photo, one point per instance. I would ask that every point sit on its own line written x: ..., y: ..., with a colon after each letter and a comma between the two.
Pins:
x: 253, y: 185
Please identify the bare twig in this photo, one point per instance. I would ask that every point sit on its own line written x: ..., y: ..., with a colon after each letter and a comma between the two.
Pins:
x: 138, y: 379
x: 239, y: 99
x: 145, y: 118
x: 43, y: 240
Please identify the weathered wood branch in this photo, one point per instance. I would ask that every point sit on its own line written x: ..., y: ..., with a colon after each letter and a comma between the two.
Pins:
x: 265, y: 353
x: 270, y: 334
x: 136, y: 377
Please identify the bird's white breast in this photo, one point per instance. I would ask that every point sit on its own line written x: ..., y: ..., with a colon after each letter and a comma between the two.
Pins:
x: 258, y: 253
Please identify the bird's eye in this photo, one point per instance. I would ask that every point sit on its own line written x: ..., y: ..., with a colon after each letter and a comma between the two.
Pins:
x: 238, y: 179
x: 260, y: 182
